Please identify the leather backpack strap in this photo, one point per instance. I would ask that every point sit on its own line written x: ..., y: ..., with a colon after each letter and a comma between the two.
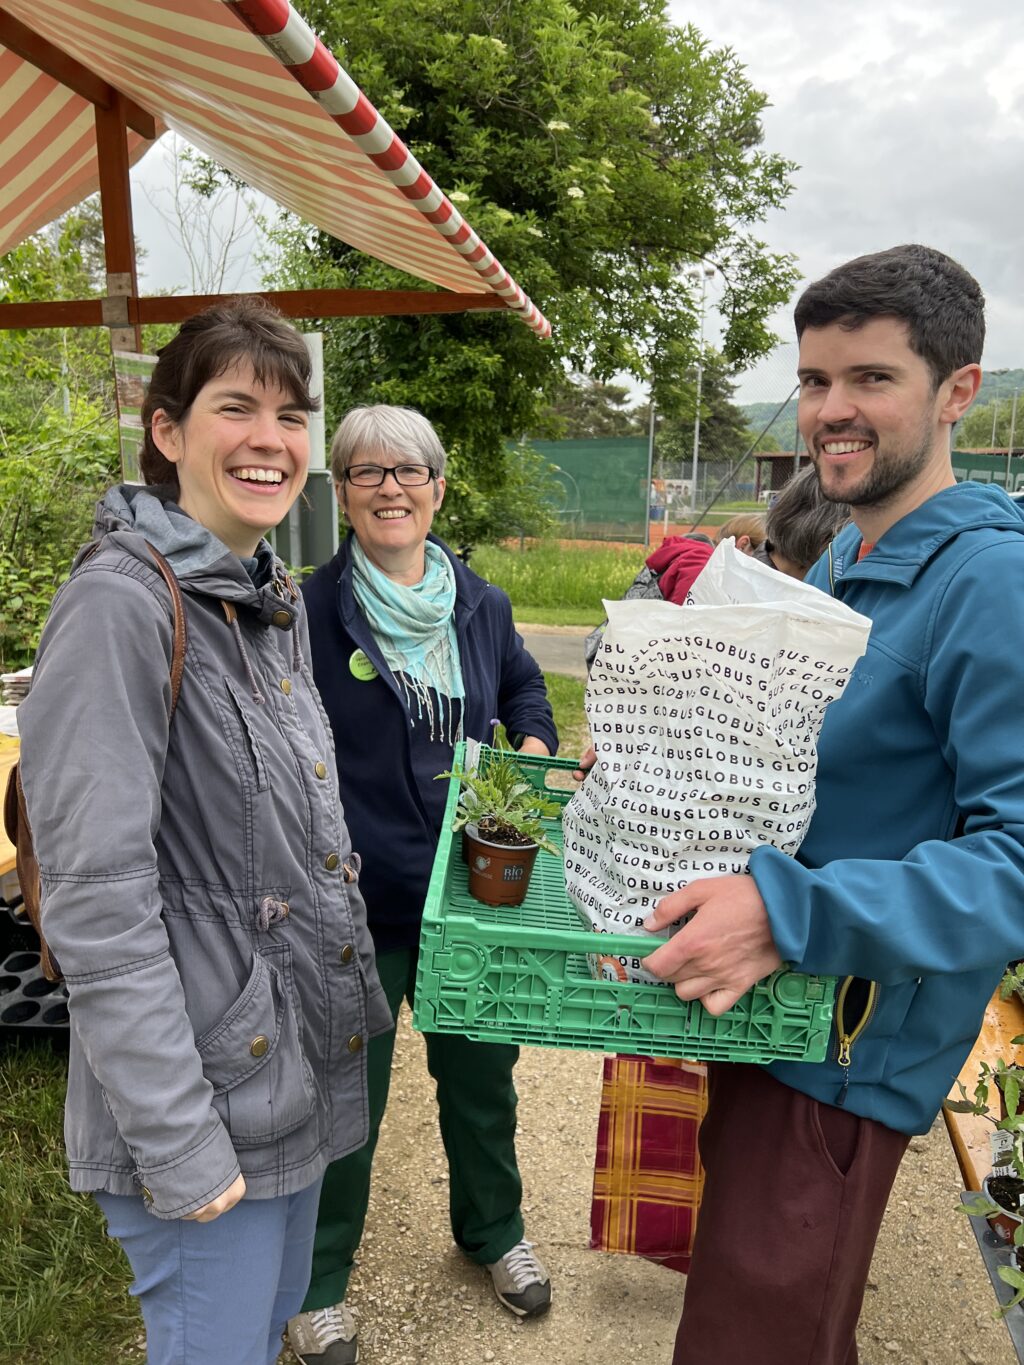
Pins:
x: 180, y: 621
x: 180, y: 625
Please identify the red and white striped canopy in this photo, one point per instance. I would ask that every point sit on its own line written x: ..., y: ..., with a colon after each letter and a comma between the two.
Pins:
x: 250, y: 84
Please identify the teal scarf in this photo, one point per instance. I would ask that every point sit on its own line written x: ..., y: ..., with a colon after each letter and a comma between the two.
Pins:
x: 414, y: 627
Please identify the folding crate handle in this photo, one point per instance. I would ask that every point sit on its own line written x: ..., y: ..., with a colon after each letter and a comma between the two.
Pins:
x: 623, y: 945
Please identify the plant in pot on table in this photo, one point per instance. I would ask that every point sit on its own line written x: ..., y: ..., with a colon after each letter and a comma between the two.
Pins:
x: 1002, y: 1195
x: 501, y: 816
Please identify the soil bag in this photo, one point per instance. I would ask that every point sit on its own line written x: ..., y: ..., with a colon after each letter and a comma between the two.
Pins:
x: 706, y: 719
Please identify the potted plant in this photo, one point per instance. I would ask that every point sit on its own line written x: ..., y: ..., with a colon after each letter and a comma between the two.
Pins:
x: 1001, y: 1201
x: 501, y: 816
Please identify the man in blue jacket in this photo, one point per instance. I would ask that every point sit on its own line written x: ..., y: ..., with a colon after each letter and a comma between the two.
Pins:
x: 910, y: 883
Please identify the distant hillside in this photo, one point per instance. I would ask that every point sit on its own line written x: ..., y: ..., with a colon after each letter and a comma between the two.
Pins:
x: 997, y: 386
x: 758, y: 415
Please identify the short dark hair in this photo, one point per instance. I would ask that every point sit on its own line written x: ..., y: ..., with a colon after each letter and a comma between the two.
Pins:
x: 208, y: 344
x: 801, y: 522
x: 942, y: 305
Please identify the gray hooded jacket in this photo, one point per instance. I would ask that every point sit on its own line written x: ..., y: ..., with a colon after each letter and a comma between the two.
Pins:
x: 198, y: 880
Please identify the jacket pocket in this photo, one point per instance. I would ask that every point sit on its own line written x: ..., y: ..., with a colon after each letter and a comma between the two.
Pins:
x: 243, y: 710
x: 253, y: 1058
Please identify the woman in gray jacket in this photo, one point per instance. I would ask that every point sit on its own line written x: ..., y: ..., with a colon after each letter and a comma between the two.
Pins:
x: 199, y: 889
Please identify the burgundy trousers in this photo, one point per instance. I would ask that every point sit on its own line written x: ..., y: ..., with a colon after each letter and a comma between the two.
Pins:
x: 793, y: 1199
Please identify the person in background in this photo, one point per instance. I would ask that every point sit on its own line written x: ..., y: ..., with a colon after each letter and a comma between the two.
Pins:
x: 192, y: 864
x: 910, y: 880
x: 746, y: 528
x: 412, y: 651
x: 666, y: 576
x: 801, y: 524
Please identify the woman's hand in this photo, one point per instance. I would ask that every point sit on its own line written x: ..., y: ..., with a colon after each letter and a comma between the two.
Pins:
x: 586, y: 763
x: 532, y: 745
x: 220, y: 1205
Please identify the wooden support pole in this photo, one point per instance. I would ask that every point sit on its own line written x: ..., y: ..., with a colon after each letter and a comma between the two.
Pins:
x: 118, y: 233
x: 293, y: 303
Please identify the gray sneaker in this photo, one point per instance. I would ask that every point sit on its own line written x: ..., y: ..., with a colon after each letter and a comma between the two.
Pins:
x: 325, y: 1336
x: 521, y: 1282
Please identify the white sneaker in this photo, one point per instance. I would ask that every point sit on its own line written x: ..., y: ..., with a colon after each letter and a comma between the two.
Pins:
x: 325, y: 1336
x: 521, y: 1282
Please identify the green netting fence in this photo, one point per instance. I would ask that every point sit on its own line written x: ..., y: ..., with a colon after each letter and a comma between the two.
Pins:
x: 985, y: 468
x: 604, y: 486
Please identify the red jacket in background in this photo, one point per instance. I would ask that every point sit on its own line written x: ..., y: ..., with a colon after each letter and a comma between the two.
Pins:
x: 677, y: 562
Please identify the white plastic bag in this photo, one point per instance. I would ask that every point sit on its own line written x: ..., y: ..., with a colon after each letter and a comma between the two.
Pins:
x: 705, y: 719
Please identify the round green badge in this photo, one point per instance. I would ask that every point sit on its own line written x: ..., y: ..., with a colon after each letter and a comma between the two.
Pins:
x: 361, y: 667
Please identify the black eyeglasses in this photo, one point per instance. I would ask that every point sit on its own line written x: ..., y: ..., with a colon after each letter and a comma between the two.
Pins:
x: 373, y: 475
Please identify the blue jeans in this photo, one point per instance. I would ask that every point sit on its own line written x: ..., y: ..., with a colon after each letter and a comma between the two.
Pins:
x: 217, y: 1293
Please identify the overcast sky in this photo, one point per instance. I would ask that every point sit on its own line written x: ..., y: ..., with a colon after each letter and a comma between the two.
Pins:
x: 907, y: 120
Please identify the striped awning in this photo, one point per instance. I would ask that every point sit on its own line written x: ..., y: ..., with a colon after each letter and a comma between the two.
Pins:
x: 249, y: 84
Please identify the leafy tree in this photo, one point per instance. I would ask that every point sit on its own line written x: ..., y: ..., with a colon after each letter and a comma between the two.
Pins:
x: 724, y: 432
x: 58, y: 438
x: 597, y: 149
x: 975, y: 431
x: 587, y: 407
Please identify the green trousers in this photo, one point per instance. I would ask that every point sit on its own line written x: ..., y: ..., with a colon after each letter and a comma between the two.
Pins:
x: 476, y: 1103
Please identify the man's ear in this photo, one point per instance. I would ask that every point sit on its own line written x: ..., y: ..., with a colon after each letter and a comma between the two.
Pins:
x: 960, y: 391
x: 166, y: 435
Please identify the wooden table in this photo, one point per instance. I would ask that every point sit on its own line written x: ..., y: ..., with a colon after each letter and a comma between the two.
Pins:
x: 969, y: 1134
x: 8, y: 758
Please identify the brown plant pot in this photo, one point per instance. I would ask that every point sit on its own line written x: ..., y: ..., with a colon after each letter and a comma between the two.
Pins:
x: 1004, y: 1224
x: 499, y: 874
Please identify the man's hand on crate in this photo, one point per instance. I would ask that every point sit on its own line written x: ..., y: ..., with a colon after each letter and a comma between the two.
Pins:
x: 724, y: 949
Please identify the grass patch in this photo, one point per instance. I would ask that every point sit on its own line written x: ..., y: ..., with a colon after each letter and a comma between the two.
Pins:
x: 559, y: 616
x: 63, y: 1283
x: 549, y: 576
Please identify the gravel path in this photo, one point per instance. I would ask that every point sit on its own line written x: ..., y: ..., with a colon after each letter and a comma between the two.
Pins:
x: 417, y: 1300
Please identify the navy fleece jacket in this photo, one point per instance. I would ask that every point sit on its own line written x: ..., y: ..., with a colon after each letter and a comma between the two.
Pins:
x: 393, y: 827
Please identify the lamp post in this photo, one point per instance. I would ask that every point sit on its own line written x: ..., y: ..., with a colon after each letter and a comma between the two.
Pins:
x: 703, y: 274
x: 1013, y: 432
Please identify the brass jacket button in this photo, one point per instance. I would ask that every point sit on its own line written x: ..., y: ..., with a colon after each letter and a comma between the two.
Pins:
x: 321, y: 770
x: 355, y: 1043
x: 346, y: 954
x: 258, y: 1046
x: 286, y: 686
x: 331, y: 861
x: 281, y: 618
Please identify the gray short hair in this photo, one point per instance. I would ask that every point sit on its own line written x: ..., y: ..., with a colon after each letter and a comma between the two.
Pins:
x: 802, y: 522
x: 379, y: 429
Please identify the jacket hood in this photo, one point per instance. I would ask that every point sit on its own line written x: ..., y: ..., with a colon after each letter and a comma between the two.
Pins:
x: 129, y: 516
x: 908, y: 546
x: 678, y: 560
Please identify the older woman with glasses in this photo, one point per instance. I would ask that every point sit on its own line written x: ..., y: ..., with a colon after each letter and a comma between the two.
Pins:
x: 412, y: 651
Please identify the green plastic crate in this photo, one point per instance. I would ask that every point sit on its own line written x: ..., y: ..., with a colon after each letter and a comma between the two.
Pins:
x: 519, y: 974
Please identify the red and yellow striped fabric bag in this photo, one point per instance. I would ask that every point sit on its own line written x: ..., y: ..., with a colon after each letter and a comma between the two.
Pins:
x: 648, y: 1175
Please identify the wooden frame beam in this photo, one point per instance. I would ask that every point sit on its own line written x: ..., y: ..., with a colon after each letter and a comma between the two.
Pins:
x: 118, y: 230
x: 51, y: 60
x: 292, y: 303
